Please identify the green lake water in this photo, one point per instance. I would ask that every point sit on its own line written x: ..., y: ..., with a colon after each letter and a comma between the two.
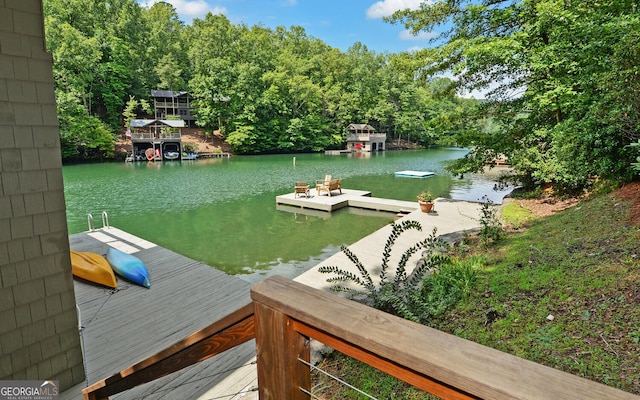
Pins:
x: 222, y: 211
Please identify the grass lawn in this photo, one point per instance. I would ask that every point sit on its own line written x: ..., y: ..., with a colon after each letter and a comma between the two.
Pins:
x: 561, y: 290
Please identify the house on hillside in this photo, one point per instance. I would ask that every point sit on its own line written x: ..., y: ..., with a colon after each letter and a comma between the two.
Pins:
x: 167, y: 103
x: 363, y: 137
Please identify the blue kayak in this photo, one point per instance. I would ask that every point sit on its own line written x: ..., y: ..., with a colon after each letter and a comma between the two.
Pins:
x: 129, y: 267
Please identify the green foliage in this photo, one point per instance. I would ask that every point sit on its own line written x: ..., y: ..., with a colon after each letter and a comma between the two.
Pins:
x: 85, y: 137
x: 243, y: 138
x: 425, y: 196
x: 272, y: 90
x: 131, y: 109
x: 400, y: 294
x: 362, y: 376
x: 491, y: 227
x: 562, y: 265
x: 448, y: 284
x: 169, y: 73
x: 190, y: 147
x: 562, y: 78
x: 636, y: 165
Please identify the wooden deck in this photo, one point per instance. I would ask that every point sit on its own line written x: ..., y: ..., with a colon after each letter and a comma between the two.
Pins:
x: 125, y: 325
x: 348, y: 198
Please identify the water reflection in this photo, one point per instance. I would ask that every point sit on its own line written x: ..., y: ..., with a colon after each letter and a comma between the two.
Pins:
x: 222, y: 211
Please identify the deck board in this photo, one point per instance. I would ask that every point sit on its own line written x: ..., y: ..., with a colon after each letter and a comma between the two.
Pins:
x: 125, y: 325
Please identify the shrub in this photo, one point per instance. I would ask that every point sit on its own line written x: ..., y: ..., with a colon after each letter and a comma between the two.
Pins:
x: 491, y: 226
x: 190, y: 147
x: 401, y: 295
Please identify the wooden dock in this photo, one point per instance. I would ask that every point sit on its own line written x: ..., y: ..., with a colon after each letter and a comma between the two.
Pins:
x: 337, y: 152
x: 125, y: 325
x: 348, y: 198
x: 210, y: 155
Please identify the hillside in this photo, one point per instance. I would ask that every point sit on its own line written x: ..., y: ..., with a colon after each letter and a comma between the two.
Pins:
x: 561, y: 289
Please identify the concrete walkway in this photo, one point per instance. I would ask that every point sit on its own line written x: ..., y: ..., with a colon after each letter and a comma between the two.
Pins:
x: 451, y: 218
x: 448, y: 217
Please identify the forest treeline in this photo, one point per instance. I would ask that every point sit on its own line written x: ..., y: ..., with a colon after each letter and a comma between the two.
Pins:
x: 562, y: 75
x: 267, y: 90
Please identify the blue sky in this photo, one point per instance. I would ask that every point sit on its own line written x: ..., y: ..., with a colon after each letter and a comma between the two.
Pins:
x: 339, y: 23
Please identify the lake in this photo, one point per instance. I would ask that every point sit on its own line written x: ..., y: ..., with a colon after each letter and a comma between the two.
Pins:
x: 222, y: 211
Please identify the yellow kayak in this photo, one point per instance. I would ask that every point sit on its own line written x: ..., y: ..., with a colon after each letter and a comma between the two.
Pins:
x: 92, y: 267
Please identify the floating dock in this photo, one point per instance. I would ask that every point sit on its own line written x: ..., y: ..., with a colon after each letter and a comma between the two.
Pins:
x: 122, y: 326
x: 212, y: 155
x: 348, y: 198
x: 337, y: 152
x: 414, y: 174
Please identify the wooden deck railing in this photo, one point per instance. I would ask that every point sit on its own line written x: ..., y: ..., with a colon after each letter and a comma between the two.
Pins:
x: 152, y: 135
x: 365, y: 136
x: 284, y: 315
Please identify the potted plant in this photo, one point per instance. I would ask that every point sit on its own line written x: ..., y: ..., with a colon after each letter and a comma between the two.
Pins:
x: 425, y: 199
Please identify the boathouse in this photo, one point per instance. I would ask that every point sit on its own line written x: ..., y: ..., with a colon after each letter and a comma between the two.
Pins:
x: 154, y: 139
x: 363, y: 137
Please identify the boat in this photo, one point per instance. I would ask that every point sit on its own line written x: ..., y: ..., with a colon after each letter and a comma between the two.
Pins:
x: 150, y: 154
x: 92, y: 267
x: 414, y: 174
x: 189, y: 156
x: 129, y: 267
x: 171, y: 155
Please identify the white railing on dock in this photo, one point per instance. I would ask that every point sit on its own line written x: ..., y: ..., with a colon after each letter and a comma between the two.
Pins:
x: 90, y: 222
x: 105, y: 221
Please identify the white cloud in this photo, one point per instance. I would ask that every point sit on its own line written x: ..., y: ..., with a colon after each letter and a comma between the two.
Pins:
x: 385, y: 8
x: 406, y: 35
x: 189, y: 9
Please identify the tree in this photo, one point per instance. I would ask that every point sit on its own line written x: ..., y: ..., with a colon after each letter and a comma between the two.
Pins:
x: 133, y: 104
x: 96, y: 48
x: 266, y: 90
x: 559, y: 97
x: 169, y: 73
x: 165, y: 65
x: 85, y: 137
